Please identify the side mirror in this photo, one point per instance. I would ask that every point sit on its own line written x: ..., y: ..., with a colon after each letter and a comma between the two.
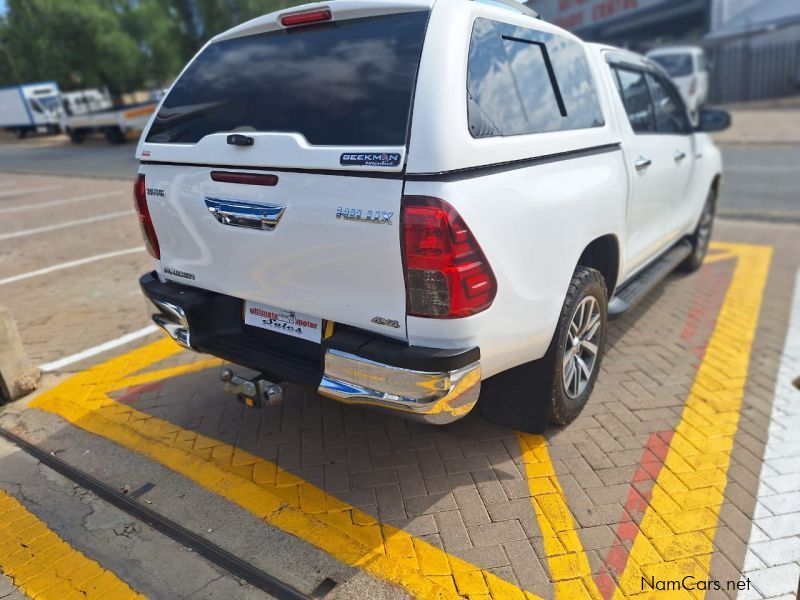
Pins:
x: 713, y: 119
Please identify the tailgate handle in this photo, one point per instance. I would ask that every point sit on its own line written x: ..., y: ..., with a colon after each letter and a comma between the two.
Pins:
x: 237, y: 139
x: 245, y: 214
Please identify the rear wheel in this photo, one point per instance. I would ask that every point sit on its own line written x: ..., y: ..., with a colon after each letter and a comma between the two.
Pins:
x: 115, y: 135
x: 556, y: 387
x: 702, y: 235
x: 580, y: 342
x: 76, y: 136
x: 21, y: 133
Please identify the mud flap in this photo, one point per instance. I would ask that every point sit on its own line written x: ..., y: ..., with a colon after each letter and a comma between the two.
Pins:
x: 519, y: 397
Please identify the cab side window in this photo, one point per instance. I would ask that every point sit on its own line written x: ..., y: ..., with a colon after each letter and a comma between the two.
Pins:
x: 523, y: 81
x: 669, y: 109
x: 635, y: 95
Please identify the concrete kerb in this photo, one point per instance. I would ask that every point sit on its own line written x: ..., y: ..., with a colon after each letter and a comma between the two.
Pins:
x: 17, y: 375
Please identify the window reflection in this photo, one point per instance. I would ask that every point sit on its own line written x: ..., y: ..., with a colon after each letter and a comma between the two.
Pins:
x: 510, y: 90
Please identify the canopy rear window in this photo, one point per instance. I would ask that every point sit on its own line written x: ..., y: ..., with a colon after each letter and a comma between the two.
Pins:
x: 346, y: 83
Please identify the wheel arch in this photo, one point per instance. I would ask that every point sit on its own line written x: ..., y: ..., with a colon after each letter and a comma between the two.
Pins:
x: 603, y: 254
x: 716, y: 182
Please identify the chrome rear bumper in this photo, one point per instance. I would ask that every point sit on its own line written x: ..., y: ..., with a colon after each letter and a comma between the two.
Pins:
x: 172, y: 319
x: 352, y: 366
x: 432, y: 397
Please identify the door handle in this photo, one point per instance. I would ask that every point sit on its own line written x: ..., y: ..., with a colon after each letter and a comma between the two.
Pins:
x: 245, y: 214
x: 679, y: 156
x: 642, y: 163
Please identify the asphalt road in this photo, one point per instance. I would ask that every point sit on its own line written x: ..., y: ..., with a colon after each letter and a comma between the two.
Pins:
x: 761, y: 182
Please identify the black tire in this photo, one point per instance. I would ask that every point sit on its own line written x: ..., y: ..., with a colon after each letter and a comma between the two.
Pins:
x: 529, y: 396
x: 566, y: 404
x: 76, y: 136
x: 702, y: 235
x: 21, y: 134
x: 115, y: 135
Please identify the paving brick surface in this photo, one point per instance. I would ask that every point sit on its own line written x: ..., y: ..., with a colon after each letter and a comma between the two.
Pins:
x: 64, y: 312
x: 467, y: 478
x: 464, y: 487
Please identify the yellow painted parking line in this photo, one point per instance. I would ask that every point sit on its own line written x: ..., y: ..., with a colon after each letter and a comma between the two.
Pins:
x: 280, y: 498
x: 680, y: 523
x: 566, y: 559
x: 682, y: 518
x: 719, y: 256
x: 43, y: 565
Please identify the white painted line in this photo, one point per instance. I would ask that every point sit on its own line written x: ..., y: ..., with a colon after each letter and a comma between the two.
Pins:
x: 759, y: 169
x: 16, y: 234
x: 70, y: 264
x: 60, y: 202
x: 11, y: 193
x: 772, y: 562
x: 94, y: 351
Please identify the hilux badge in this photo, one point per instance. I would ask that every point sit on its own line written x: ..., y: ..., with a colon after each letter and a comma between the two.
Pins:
x: 364, y: 216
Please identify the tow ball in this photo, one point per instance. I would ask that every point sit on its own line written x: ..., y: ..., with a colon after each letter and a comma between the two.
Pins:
x: 254, y: 393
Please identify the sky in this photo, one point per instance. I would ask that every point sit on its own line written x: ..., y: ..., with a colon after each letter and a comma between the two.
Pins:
x: 2, y: 7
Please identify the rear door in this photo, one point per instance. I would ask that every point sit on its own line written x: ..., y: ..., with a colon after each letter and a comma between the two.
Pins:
x: 274, y: 168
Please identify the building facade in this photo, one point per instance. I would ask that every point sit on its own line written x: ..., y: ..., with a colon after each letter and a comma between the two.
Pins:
x: 753, y: 45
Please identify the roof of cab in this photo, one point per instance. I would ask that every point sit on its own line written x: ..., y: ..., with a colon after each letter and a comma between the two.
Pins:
x: 348, y: 9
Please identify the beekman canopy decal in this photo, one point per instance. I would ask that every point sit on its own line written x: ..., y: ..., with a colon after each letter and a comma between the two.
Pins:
x: 370, y: 160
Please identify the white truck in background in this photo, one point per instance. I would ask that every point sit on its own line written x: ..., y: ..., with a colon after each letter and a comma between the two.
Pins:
x: 81, y: 102
x: 116, y: 123
x: 31, y: 108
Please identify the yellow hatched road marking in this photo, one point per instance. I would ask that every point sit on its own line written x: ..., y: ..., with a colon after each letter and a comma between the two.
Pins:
x: 680, y: 522
x: 44, y: 566
x: 283, y: 500
x: 566, y: 558
x: 695, y: 470
x: 709, y: 423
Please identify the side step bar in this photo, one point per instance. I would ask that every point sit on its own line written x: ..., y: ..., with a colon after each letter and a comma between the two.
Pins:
x: 630, y: 294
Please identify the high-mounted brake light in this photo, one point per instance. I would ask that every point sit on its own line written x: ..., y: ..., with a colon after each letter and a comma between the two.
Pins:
x: 306, y: 18
x: 246, y: 178
x: 148, y: 231
x: 447, y: 274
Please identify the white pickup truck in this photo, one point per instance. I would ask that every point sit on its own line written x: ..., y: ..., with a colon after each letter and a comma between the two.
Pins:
x: 411, y: 204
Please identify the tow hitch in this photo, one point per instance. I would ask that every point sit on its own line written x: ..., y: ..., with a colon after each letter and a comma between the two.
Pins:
x: 255, y: 392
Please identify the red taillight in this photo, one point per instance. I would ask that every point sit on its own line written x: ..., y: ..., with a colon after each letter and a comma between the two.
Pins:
x: 306, y: 18
x: 447, y: 275
x: 246, y: 178
x: 149, y: 232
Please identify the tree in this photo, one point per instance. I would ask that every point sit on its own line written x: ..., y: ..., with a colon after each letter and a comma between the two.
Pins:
x: 52, y: 39
x: 121, y: 44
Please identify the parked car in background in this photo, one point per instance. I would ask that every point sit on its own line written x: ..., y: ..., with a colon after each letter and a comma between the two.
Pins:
x: 414, y: 203
x: 688, y: 68
x: 31, y: 107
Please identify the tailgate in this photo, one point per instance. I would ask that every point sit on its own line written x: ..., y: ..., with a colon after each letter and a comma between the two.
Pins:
x: 323, y: 258
x: 324, y: 109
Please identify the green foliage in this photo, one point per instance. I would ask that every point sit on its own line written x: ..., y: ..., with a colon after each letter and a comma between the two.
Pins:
x: 122, y: 44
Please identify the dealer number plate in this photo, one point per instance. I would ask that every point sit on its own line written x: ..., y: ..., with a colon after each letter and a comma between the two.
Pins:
x: 280, y: 320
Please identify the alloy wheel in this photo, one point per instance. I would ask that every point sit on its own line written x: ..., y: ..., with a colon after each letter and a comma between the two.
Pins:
x: 581, y: 349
